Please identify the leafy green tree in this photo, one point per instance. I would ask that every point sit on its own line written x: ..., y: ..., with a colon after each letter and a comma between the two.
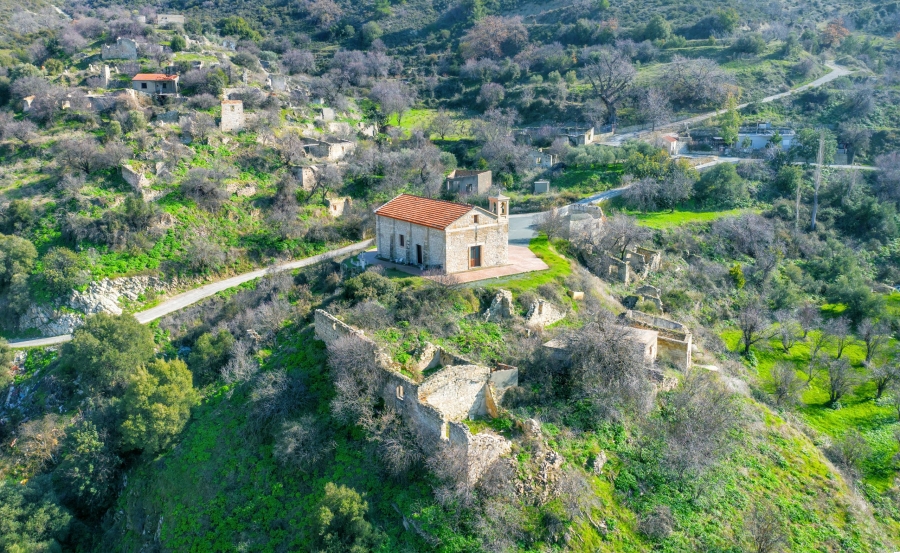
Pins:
x: 156, y: 405
x: 209, y: 354
x: 178, y: 43
x: 87, y: 477
x: 721, y: 186
x: 62, y: 270
x: 852, y: 291
x: 730, y: 121
x: 370, y: 32
x: 788, y: 179
x: 657, y: 28
x: 17, y: 256
x: 237, y: 26
x: 728, y: 19
x: 31, y: 518
x: 806, y: 146
x: 106, y: 349
x: 340, y: 523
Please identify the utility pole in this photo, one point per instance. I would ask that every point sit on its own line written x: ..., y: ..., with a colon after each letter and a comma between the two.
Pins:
x: 820, y: 159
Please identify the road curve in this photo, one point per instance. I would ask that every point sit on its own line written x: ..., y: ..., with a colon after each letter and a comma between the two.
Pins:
x: 837, y: 71
x: 193, y: 296
x: 521, y: 227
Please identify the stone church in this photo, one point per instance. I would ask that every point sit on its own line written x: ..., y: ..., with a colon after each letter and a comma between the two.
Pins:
x: 436, y: 234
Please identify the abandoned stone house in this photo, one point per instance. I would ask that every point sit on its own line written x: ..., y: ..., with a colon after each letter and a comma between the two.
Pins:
x: 674, y: 340
x: 438, y: 404
x: 332, y: 150
x: 658, y: 340
x: 232, y: 115
x: 437, y: 234
x: 155, y: 83
x: 123, y: 49
x: 542, y: 159
x: 469, y: 182
x: 585, y: 220
x: 637, y: 264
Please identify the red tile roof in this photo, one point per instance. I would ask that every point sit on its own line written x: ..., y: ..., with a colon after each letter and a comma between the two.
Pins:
x: 437, y: 214
x: 154, y: 77
x: 668, y: 138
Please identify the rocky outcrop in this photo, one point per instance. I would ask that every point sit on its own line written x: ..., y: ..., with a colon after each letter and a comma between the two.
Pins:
x: 101, y: 296
x: 501, y: 307
x: 543, y: 313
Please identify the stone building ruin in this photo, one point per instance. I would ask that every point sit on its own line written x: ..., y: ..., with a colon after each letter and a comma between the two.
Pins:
x: 232, y: 116
x: 637, y: 265
x: 123, y: 49
x: 675, y: 340
x: 436, y: 406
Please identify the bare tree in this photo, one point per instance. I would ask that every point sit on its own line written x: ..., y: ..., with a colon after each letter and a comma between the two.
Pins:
x: 850, y: 450
x: 788, y: 331
x: 888, y: 178
x: 655, y: 107
x: 840, y: 378
x: 642, y: 194
x: 206, y: 187
x: 809, y: 317
x: 442, y: 124
x: 787, y: 385
x: 491, y: 94
x: 883, y: 375
x: 697, y: 423
x: 275, y: 396
x: 394, y: 97
x: 302, y: 443
x: 23, y: 130
x: 611, y: 74
x: 839, y: 330
x: 874, y: 334
x: 298, y: 61
x: 698, y: 81
x: 609, y: 370
x: 621, y: 232
x: 753, y: 322
x: 765, y: 530
x: 553, y: 223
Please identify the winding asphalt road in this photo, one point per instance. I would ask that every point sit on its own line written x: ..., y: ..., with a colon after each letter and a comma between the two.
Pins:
x: 837, y: 71
x: 193, y: 296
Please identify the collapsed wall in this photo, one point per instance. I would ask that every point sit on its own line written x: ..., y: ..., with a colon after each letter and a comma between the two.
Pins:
x: 438, y: 405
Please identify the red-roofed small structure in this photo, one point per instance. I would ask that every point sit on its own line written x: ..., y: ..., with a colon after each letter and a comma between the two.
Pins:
x: 155, y: 83
x: 445, y: 235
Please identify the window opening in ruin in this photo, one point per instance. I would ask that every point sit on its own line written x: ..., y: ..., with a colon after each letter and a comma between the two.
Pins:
x: 476, y: 219
x: 143, y: 85
x: 400, y: 392
x: 402, y: 241
x: 419, y: 256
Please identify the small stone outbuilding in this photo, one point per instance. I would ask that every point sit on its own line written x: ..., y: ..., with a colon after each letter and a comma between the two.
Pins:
x: 155, y: 83
x: 437, y: 234
x: 469, y: 182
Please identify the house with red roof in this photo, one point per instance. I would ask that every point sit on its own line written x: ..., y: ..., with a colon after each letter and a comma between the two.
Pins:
x: 155, y: 83
x: 436, y: 234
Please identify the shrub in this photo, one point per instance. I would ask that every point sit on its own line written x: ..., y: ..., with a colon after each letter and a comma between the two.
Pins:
x: 370, y: 286
x: 63, y: 270
x: 156, y: 405
x: 722, y: 187
x: 209, y: 354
